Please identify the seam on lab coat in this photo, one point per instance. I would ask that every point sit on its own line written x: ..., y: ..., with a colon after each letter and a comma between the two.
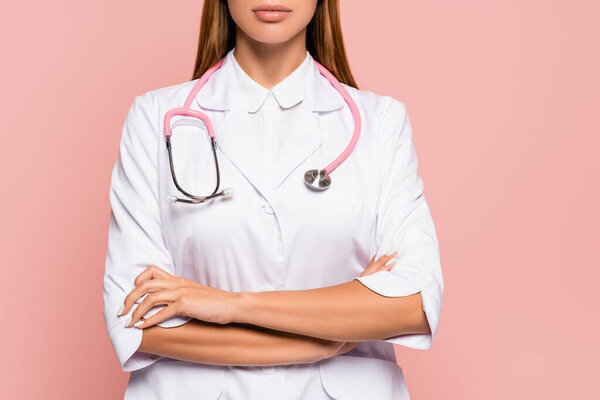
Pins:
x: 379, y: 130
x: 158, y: 138
x: 375, y: 246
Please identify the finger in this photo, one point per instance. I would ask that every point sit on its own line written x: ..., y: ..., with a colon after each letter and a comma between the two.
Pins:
x: 371, y: 269
x: 150, y: 286
x: 164, y: 297
x: 145, y: 287
x: 385, y: 258
x: 379, y: 264
x: 166, y: 313
x: 367, y: 270
x: 152, y: 272
x: 389, y: 266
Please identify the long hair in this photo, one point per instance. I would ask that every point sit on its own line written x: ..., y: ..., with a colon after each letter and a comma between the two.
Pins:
x: 324, y: 38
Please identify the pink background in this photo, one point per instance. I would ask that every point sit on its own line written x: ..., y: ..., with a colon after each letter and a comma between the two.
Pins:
x: 503, y: 98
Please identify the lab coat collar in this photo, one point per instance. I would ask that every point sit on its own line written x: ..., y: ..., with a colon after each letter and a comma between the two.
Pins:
x: 231, y: 88
x: 288, y: 92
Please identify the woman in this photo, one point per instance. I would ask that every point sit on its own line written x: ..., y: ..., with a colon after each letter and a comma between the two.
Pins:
x: 275, y: 292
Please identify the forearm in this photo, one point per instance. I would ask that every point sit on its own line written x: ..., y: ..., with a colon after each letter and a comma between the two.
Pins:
x: 346, y: 312
x: 234, y: 344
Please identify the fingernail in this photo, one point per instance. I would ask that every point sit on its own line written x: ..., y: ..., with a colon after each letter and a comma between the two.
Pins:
x: 138, y: 323
x: 121, y: 310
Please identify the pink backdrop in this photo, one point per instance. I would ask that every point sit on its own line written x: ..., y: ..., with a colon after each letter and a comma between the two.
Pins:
x: 503, y: 97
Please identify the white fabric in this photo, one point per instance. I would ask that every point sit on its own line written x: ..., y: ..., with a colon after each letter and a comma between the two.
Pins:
x: 273, y: 110
x: 271, y: 114
x: 275, y: 233
x: 274, y: 114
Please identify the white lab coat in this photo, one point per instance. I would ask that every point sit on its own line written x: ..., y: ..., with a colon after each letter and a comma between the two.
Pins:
x: 274, y: 234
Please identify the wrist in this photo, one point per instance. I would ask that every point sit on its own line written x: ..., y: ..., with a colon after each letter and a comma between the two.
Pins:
x: 241, y: 301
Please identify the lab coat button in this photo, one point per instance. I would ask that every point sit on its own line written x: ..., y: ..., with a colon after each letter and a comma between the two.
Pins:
x: 266, y: 287
x: 269, y: 369
x: 268, y: 208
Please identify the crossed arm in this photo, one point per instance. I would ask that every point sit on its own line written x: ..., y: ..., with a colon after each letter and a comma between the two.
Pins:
x: 266, y: 328
x: 237, y: 345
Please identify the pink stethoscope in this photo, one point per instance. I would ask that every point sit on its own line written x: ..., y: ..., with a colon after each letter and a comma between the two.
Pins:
x: 314, y: 178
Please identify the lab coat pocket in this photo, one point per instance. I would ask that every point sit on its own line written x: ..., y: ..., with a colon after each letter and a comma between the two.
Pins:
x: 175, y: 379
x: 350, y: 377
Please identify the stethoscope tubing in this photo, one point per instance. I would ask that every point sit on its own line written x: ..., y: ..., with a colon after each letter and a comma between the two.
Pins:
x: 322, y: 175
x: 355, y: 114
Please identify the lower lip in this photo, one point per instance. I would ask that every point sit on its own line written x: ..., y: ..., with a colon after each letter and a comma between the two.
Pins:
x: 271, y: 16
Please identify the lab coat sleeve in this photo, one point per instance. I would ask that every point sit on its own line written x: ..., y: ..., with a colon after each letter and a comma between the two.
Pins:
x: 404, y: 223
x: 135, y: 238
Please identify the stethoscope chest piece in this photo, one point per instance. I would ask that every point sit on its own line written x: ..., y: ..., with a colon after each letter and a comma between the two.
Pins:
x: 317, y: 179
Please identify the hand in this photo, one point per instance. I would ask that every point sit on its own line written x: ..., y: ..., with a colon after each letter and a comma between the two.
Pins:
x: 380, y: 264
x: 181, y: 297
x: 338, y: 348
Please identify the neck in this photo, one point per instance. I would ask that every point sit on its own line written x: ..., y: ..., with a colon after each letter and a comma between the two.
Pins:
x: 269, y: 63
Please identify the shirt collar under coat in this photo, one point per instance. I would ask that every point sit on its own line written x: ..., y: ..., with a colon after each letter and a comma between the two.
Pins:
x: 231, y: 87
x: 288, y: 92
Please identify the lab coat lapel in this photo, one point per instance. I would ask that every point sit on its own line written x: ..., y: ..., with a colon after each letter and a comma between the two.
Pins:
x: 305, y: 135
x: 301, y: 141
x: 239, y: 141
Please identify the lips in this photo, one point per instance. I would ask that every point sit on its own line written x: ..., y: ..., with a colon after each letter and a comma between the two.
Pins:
x: 271, y: 7
x: 271, y: 12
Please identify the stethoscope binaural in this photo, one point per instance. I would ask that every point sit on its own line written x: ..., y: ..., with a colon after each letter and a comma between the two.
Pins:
x: 315, y: 179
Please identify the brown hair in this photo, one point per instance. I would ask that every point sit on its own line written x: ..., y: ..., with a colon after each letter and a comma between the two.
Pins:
x: 324, y: 38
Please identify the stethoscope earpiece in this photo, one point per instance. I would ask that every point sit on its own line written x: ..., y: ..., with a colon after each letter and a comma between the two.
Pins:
x: 170, y: 199
x: 317, y: 179
x: 228, y: 193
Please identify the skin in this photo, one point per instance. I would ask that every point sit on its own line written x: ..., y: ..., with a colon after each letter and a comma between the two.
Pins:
x: 270, y: 51
x: 274, y: 327
x: 236, y: 344
x: 347, y: 312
